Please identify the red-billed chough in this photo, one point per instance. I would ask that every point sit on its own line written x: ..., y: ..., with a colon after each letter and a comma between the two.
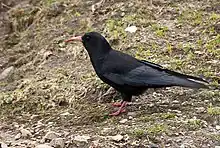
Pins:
x: 129, y: 75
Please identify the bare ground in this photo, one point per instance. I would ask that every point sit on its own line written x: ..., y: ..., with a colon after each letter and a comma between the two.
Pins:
x: 52, y: 87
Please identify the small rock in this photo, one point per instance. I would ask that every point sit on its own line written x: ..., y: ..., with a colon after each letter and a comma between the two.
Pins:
x: 58, y: 143
x: 131, y: 114
x: 50, y: 123
x: 130, y: 117
x: 152, y: 145
x: 18, y: 136
x: 34, y: 116
x: 123, y: 121
x: 65, y: 114
x: 200, y: 109
x: 106, y: 131
x: 123, y: 14
x: 131, y: 29
x: 126, y: 137
x: 217, y: 127
x: 3, y: 145
x: 43, y: 146
x: 49, y: 136
x: 206, y: 101
x: 117, y: 138
x: 82, y: 138
x: 165, y: 101
x: 25, y: 132
x: 7, y: 73
x: 176, y: 101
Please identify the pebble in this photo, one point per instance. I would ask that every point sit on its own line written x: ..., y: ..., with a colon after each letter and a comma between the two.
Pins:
x: 49, y: 136
x: 3, y: 145
x: 130, y: 117
x: 131, y: 114
x: 200, y: 109
x: 117, y: 138
x: 7, y: 73
x: 123, y: 121
x: 217, y: 127
x: 176, y: 101
x: 131, y: 29
x: 43, y: 146
x: 18, y: 136
x: 25, y: 132
x: 82, y: 138
x: 65, y: 114
x: 57, y: 143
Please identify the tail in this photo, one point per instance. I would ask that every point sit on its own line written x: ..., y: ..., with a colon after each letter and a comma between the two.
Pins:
x: 179, y: 79
x: 188, y: 81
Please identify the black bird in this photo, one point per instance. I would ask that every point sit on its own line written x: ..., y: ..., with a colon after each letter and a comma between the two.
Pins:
x: 129, y: 75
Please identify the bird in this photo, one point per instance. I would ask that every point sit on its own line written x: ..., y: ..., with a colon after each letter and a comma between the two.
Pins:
x: 128, y: 75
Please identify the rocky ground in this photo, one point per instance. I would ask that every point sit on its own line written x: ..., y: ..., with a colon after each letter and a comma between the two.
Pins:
x: 51, y: 97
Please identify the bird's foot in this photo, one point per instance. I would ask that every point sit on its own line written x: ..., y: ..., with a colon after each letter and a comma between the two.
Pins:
x: 120, y: 110
x: 117, y: 112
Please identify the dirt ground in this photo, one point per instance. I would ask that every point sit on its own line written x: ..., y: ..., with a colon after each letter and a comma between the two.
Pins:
x: 51, y: 97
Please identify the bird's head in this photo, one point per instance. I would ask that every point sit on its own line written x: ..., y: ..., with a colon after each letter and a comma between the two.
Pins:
x: 94, y: 43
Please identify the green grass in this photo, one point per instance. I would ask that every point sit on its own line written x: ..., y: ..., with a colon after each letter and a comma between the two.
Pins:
x: 194, y: 124
x: 157, y: 129
x: 160, y: 30
x: 115, y: 28
x: 215, y: 111
x: 139, y: 133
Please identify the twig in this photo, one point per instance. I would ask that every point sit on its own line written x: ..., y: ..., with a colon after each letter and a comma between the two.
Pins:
x: 5, y: 5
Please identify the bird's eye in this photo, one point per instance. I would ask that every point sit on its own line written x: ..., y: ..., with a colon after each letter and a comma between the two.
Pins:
x: 88, y: 38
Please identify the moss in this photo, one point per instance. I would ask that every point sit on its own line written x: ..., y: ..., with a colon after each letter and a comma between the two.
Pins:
x: 191, y: 17
x: 212, y: 45
x: 139, y: 133
x: 215, y: 111
x: 194, y: 124
x: 214, y: 16
x: 157, y: 129
x: 147, y: 118
x: 168, y: 115
x: 115, y: 28
x: 159, y: 30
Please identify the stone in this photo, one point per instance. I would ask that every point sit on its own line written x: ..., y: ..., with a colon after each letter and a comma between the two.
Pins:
x: 49, y: 136
x: 25, y: 133
x: 117, y: 138
x: 7, y: 73
x: 57, y: 143
x: 3, y: 145
x: 43, y: 146
x: 123, y: 121
x: 82, y: 138
x: 18, y: 136
x: 217, y: 127
x: 131, y: 29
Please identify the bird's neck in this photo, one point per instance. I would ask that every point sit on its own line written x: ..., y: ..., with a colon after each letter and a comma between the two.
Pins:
x: 97, y: 62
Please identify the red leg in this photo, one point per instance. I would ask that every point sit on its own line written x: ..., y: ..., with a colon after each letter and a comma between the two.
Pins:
x: 120, y: 110
x: 117, y: 104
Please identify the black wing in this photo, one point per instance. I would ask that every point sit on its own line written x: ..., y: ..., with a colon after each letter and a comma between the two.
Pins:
x: 150, y: 75
x: 141, y: 76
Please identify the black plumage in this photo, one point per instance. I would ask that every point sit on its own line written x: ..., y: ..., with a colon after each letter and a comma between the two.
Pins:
x: 129, y: 75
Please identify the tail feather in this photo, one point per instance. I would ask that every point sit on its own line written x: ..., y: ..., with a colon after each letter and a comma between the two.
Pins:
x: 181, y: 79
x: 189, y: 81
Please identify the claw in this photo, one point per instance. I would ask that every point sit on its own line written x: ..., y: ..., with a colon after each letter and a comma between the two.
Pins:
x: 120, y: 110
